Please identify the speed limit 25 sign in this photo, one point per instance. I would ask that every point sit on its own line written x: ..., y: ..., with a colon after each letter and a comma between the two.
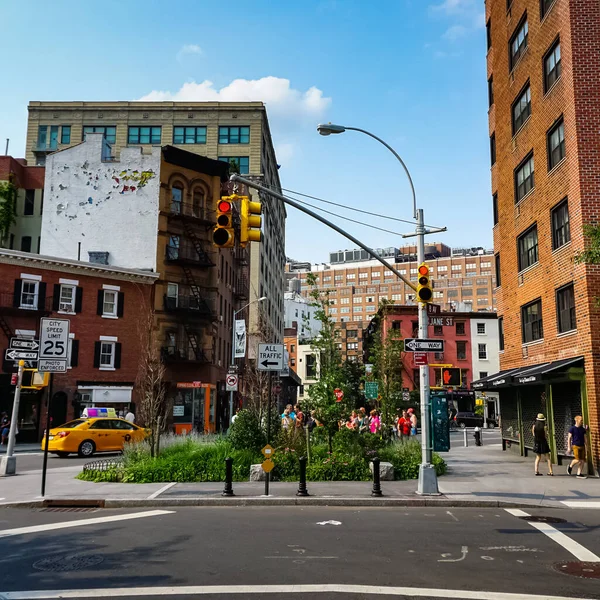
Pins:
x: 54, y: 344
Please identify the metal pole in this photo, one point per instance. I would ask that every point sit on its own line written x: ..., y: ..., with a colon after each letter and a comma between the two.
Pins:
x: 232, y: 363
x: 427, y: 476
x: 268, y: 475
x: 6, y: 151
x: 9, y: 462
x: 47, y: 440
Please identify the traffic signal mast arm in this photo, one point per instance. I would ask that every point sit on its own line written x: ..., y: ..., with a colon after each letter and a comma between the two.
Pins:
x: 385, y: 263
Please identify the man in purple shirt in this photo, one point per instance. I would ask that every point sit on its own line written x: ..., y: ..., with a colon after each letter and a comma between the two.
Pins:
x: 577, y: 442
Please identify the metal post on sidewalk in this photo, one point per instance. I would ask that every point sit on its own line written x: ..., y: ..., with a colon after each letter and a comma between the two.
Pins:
x: 376, y: 491
x: 302, y: 491
x: 466, y: 439
x: 268, y: 475
x: 228, y: 489
x: 47, y: 439
x: 8, y: 463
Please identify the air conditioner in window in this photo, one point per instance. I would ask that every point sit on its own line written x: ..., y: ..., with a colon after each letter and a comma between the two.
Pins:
x: 65, y: 307
x: 221, y: 318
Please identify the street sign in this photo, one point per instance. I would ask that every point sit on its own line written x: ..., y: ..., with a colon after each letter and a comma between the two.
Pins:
x: 434, y: 309
x: 233, y: 369
x: 24, y: 344
x: 52, y: 365
x: 270, y: 357
x: 268, y: 451
x: 277, y: 389
x: 406, y: 396
x: 231, y: 383
x: 16, y: 355
x: 268, y: 465
x: 417, y: 345
x: 54, y: 338
x: 339, y: 394
x: 371, y: 390
x: 368, y: 369
x: 421, y: 359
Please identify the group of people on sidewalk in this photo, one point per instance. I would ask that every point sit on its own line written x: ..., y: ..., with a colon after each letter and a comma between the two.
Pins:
x: 576, y: 443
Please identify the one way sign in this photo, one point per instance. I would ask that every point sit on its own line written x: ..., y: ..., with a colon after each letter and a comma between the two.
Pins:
x: 270, y: 357
x: 416, y: 345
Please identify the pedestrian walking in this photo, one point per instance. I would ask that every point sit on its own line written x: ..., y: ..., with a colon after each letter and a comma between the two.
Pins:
x: 413, y: 421
x: 577, y: 442
x: 130, y: 416
x: 541, y: 448
x: 286, y: 421
x: 374, y: 422
x: 363, y: 420
x: 4, y: 428
x: 404, y: 426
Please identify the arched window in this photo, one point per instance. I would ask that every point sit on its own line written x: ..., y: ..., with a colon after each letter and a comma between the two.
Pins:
x: 176, y: 198
x: 198, y: 202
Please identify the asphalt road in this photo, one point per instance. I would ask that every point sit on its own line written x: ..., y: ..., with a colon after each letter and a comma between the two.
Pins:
x: 482, y: 552
x: 33, y: 461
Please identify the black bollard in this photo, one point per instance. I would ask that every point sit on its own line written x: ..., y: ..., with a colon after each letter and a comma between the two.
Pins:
x: 228, y: 489
x: 376, y: 491
x: 302, y: 491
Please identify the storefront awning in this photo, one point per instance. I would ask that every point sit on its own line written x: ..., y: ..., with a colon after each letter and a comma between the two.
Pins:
x: 525, y: 375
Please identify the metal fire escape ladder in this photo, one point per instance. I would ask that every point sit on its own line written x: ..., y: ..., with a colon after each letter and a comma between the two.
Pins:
x: 6, y: 329
x: 203, y: 256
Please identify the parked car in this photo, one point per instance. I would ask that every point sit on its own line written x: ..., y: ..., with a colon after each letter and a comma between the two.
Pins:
x: 468, y: 419
x: 87, y: 436
x: 491, y: 423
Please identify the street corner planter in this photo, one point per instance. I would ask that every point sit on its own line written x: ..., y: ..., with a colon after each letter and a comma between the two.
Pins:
x: 386, y: 471
x: 257, y: 473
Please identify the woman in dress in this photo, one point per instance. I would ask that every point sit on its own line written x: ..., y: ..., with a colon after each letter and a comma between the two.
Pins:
x: 541, y: 447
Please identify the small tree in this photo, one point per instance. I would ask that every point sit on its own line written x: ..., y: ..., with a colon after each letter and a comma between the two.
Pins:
x: 8, y: 208
x: 153, y: 404
x: 591, y: 254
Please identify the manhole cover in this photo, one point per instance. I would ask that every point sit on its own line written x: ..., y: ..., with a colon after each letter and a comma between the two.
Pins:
x: 586, y: 570
x: 541, y: 519
x: 69, y: 510
x: 71, y: 562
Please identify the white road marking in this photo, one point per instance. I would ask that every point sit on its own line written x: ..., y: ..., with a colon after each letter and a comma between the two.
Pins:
x: 329, y: 523
x: 162, y: 489
x: 575, y: 548
x: 294, y: 558
x: 328, y: 588
x: 449, y: 513
x: 81, y: 522
x: 510, y: 548
x: 464, y: 551
x: 581, y: 504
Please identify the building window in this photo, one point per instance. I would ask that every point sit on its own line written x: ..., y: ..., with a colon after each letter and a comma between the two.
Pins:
x: 66, y: 301
x: 242, y: 163
x: 518, y: 42
x: 107, y: 355
x: 189, y: 135
x: 352, y: 346
x: 460, y: 328
x: 29, y: 205
x: 417, y: 378
x: 552, y: 66
x: 498, y: 278
x: 65, y: 134
x: 311, y: 366
x: 109, y: 131
x: 545, y: 6
x: 528, y: 248
x: 352, y: 333
x: 524, y: 180
x: 561, y: 232
x: 501, y: 333
x: 438, y: 330
x: 176, y: 199
x: 482, y: 351
x: 495, y: 208
x: 144, y: 135
x: 481, y: 328
x: 464, y: 378
x: 26, y: 243
x: 483, y: 374
x: 493, y: 148
x: 556, y: 144
x: 521, y: 109
x: 491, y: 91
x: 292, y: 362
x: 531, y: 322
x: 29, y: 294
x: 234, y: 135
x: 565, y: 308
x: 461, y: 350
x: 488, y: 33
x: 109, y: 305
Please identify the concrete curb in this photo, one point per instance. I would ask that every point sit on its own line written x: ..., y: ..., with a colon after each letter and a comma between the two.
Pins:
x: 380, y: 502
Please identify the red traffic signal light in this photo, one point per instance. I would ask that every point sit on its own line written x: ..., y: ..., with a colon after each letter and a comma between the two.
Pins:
x: 223, y: 233
x: 424, y: 289
x: 451, y: 377
x: 224, y: 206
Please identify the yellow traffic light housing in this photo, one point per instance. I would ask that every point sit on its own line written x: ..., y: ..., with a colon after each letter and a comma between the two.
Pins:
x: 223, y: 232
x: 424, y: 287
x: 250, y: 221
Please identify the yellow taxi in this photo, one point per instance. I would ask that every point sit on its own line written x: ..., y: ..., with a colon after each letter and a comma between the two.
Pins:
x: 87, y: 436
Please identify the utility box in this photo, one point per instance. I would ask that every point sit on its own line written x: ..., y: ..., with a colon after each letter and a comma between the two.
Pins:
x: 440, y: 424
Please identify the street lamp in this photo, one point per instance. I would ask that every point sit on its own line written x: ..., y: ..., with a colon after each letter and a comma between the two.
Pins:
x: 427, y: 476
x: 235, y: 313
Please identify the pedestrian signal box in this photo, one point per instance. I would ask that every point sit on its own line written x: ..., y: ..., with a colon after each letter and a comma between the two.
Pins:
x: 451, y: 377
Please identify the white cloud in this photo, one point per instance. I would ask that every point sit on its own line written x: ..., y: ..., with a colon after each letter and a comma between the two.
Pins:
x: 284, y: 152
x: 453, y: 7
x: 281, y: 99
x: 187, y: 50
x: 454, y: 33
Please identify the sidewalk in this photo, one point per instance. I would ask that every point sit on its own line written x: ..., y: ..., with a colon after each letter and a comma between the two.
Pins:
x: 477, y: 476
x: 19, y: 448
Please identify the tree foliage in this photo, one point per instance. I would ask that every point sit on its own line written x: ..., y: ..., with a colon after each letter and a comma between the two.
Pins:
x: 591, y: 254
x: 8, y: 208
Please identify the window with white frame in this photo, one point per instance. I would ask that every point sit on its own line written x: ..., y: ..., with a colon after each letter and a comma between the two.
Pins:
x: 345, y: 310
x: 370, y: 299
x: 470, y: 266
x: 29, y: 294
x: 359, y: 318
x: 350, y: 275
x: 413, y: 271
x: 396, y: 296
x: 358, y: 309
x: 482, y: 349
x: 481, y: 328
x: 363, y: 275
x: 457, y: 267
x: 370, y: 309
x: 357, y: 299
x: 107, y: 355
x: 338, y: 277
x: 402, y: 271
x: 344, y: 300
x: 438, y: 294
x: 376, y: 275
x: 442, y: 269
x: 387, y: 273
x: 67, y: 298
x: 486, y: 265
x: 109, y: 306
x: 352, y: 346
x: 333, y: 311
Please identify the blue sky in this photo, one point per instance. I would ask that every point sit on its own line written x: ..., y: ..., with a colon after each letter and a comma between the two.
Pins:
x: 411, y: 71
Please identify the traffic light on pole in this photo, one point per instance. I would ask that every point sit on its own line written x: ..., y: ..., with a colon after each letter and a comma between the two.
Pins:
x: 424, y: 288
x: 223, y: 233
x: 451, y: 377
x: 250, y: 221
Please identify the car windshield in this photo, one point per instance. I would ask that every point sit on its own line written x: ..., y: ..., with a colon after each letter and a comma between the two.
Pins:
x: 72, y: 424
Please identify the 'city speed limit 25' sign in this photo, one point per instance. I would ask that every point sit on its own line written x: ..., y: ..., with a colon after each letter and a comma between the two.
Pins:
x: 54, y: 345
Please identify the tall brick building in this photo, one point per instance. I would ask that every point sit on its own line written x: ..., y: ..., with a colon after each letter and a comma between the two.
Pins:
x: 543, y: 72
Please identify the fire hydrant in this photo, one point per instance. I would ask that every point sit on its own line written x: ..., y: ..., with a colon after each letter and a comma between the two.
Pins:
x: 477, y: 436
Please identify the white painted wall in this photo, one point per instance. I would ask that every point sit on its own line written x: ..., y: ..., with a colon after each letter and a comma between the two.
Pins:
x: 491, y: 338
x: 107, y: 206
x: 295, y: 306
x: 302, y: 351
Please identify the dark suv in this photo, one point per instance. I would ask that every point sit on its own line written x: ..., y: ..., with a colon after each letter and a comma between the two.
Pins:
x: 468, y: 419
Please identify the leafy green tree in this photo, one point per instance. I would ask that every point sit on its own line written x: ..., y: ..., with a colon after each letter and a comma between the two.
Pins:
x: 591, y: 254
x: 353, y: 374
x: 8, y: 208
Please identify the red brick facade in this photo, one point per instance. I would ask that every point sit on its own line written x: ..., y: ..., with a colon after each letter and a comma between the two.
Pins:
x: 133, y: 290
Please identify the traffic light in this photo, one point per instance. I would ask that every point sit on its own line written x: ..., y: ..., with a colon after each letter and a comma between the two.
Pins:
x: 424, y: 289
x: 250, y: 221
x: 451, y: 377
x: 223, y: 233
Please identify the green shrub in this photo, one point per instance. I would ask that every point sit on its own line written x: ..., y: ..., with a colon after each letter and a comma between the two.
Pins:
x: 338, y: 467
x: 246, y: 432
x: 406, y: 459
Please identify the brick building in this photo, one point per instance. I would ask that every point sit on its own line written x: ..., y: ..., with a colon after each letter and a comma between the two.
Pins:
x: 106, y: 307
x: 542, y: 68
